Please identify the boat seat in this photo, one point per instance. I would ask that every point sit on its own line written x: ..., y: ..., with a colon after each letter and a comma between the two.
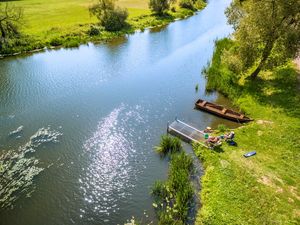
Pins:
x: 242, y: 116
x: 203, y: 103
x: 224, y: 111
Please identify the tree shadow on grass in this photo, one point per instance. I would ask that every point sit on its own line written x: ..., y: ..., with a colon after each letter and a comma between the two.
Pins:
x: 218, y: 149
x: 280, y: 92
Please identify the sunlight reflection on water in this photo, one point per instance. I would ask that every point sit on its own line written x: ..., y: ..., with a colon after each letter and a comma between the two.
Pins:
x: 111, y: 171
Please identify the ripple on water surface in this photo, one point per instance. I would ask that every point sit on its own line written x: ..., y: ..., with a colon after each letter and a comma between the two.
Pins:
x: 111, y: 172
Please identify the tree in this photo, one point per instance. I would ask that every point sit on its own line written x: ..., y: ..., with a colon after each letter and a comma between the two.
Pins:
x: 267, y: 31
x: 10, y: 19
x: 159, y: 6
x: 111, y: 17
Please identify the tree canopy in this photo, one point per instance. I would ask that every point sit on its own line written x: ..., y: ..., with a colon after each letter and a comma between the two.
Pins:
x: 159, y: 6
x: 267, y: 31
x: 110, y: 16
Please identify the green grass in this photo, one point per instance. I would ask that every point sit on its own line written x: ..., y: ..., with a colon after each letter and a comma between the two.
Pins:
x: 67, y: 23
x: 263, y: 189
x: 41, y: 16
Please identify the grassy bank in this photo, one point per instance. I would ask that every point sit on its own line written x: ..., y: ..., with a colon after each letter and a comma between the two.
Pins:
x: 264, y: 189
x: 67, y: 23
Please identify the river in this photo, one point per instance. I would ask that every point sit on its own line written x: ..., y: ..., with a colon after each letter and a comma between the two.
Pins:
x: 89, y: 117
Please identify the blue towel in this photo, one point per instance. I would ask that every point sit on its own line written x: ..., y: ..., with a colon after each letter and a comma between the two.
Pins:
x: 250, y: 154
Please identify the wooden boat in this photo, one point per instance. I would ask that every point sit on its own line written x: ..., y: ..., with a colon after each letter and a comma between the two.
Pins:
x: 221, y: 111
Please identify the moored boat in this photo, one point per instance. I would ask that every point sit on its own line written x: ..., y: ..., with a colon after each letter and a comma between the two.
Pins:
x: 221, y: 111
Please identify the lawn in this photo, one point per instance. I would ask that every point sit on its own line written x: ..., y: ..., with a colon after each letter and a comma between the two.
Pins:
x: 41, y: 16
x: 265, y: 188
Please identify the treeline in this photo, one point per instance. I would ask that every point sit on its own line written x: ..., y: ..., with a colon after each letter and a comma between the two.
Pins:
x: 112, y: 21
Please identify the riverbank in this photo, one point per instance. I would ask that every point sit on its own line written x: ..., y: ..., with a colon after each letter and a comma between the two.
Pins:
x: 69, y: 32
x: 263, y: 189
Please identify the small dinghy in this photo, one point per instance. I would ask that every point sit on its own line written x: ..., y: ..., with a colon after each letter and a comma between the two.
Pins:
x: 221, y: 111
x: 250, y: 154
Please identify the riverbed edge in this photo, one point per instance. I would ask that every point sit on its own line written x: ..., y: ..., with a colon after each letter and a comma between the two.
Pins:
x: 256, y: 190
x: 75, y: 40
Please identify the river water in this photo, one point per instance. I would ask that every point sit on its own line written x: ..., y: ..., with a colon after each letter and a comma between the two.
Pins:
x: 88, y: 119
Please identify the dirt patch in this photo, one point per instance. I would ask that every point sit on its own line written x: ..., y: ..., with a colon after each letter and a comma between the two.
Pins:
x: 294, y: 191
x: 264, y: 122
x: 266, y: 181
x: 297, y: 62
x: 224, y: 163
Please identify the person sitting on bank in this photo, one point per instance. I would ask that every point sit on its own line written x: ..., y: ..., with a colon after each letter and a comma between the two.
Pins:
x: 229, y: 136
x: 208, y: 130
x: 213, y: 140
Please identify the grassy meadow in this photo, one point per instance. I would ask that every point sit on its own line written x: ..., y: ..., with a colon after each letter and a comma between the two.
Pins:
x: 42, y: 17
x: 265, y: 188
x: 67, y: 23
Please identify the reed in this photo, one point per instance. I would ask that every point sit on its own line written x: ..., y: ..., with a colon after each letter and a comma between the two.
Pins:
x: 168, y: 145
x: 172, y: 198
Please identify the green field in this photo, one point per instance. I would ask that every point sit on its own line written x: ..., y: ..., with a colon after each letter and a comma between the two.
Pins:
x: 263, y: 189
x: 67, y: 23
x: 41, y: 16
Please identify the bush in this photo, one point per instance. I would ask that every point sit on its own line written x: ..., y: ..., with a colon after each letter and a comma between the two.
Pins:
x: 159, y: 6
x: 56, y: 42
x: 168, y: 145
x: 115, y: 20
x: 111, y: 17
x: 222, y: 127
x: 94, y: 31
x: 186, y: 4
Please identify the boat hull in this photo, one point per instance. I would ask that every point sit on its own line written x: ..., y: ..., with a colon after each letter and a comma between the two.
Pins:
x: 202, y: 105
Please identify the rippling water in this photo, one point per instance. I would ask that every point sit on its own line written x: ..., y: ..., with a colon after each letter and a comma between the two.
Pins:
x: 78, y: 126
x: 112, y: 152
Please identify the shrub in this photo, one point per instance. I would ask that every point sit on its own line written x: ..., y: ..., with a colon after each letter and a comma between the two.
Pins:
x: 222, y: 128
x: 186, y: 4
x: 168, y: 145
x: 111, y: 17
x: 94, y: 31
x: 56, y: 42
x: 159, y: 6
x: 232, y: 61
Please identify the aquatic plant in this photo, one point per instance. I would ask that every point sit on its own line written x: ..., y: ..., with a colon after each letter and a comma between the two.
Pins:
x: 18, y: 168
x: 173, y: 197
x: 222, y: 128
x: 168, y: 144
x: 197, y: 87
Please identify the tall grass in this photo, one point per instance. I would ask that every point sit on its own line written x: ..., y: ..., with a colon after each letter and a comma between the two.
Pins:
x: 168, y: 145
x: 173, y: 197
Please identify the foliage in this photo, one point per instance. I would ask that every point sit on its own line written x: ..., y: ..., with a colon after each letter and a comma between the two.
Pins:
x: 219, y: 76
x: 187, y: 4
x: 173, y: 197
x: 267, y: 32
x: 159, y: 6
x: 109, y: 15
x: 168, y: 145
x: 94, y: 31
x: 222, y: 128
x: 10, y: 19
